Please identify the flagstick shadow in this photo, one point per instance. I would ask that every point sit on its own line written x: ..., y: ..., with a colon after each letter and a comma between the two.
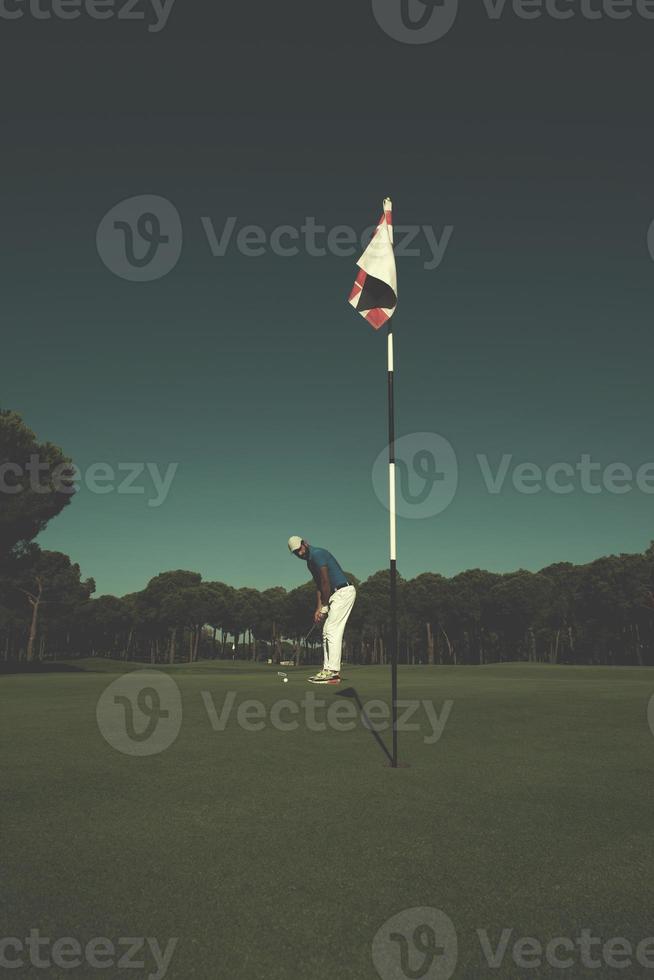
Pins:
x: 349, y: 692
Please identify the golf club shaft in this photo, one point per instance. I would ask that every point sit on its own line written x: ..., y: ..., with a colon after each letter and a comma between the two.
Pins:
x: 311, y: 631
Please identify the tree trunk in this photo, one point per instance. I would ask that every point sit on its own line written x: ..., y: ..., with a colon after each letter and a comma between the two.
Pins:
x: 532, y: 645
x: 430, y: 644
x: 35, y: 601
x: 276, y: 656
x: 555, y: 653
x: 171, y: 652
x: 639, y: 647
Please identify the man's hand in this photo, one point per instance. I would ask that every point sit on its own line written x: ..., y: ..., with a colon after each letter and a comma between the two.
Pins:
x: 318, y: 616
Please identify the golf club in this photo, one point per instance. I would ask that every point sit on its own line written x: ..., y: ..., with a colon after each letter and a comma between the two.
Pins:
x: 319, y: 623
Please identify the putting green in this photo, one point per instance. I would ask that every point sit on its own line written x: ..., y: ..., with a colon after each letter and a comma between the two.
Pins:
x: 278, y: 846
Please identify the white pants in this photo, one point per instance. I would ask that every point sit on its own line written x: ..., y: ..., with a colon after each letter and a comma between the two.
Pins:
x: 340, y: 607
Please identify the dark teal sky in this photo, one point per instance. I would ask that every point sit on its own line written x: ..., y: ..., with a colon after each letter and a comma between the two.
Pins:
x: 533, y: 338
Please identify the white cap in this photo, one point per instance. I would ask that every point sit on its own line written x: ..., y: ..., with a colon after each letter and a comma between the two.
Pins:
x: 294, y: 543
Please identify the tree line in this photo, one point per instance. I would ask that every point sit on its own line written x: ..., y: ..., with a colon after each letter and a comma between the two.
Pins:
x: 598, y: 613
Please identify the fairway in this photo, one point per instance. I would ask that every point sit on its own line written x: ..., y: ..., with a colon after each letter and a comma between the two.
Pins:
x: 280, y: 854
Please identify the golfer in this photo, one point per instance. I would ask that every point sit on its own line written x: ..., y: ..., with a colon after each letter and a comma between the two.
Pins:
x: 335, y: 598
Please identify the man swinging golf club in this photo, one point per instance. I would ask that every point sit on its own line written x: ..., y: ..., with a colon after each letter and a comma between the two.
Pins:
x: 335, y: 598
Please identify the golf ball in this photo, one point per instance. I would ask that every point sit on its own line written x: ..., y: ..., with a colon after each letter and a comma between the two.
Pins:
x: 286, y: 680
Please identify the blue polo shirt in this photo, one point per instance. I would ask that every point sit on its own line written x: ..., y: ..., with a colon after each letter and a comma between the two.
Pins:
x: 319, y: 557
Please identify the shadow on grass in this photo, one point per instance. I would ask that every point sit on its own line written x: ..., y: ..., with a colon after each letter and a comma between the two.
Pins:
x: 350, y: 692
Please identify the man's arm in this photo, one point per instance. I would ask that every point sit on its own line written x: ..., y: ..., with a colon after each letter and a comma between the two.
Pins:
x: 325, y: 585
x: 323, y: 594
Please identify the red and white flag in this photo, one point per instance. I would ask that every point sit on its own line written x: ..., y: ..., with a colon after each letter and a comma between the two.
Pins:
x: 374, y: 294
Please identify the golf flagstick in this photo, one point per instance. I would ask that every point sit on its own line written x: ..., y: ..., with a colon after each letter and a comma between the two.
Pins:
x: 392, y: 539
x: 374, y: 296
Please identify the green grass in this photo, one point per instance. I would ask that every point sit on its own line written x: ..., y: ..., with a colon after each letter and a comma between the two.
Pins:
x: 280, y: 854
